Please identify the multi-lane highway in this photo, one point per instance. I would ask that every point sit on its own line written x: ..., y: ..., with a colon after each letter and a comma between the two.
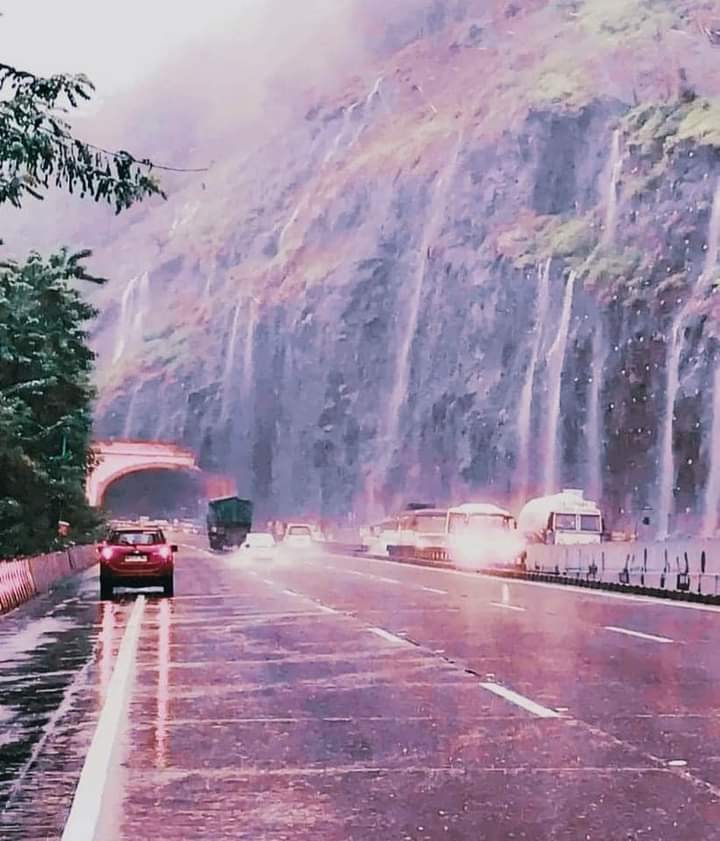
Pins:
x: 338, y: 698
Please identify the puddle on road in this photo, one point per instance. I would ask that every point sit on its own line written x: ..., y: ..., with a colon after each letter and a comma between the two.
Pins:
x: 21, y: 645
x: 46, y: 648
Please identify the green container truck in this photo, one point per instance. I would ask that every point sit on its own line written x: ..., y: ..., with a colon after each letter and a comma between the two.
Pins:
x: 229, y: 520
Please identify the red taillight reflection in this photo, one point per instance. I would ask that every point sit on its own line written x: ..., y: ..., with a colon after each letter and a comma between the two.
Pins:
x: 107, y: 553
x: 165, y: 552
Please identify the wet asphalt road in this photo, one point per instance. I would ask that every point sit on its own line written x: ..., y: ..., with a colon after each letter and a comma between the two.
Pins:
x: 336, y: 698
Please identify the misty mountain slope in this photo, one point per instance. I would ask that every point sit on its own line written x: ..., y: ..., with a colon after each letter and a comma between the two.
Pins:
x: 504, y: 222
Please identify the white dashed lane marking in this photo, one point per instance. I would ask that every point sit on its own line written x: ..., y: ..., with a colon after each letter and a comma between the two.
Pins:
x: 639, y: 634
x: 520, y: 700
x: 508, y: 606
x: 388, y: 637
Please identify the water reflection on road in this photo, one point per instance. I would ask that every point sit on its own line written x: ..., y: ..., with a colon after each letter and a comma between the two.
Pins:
x: 323, y: 698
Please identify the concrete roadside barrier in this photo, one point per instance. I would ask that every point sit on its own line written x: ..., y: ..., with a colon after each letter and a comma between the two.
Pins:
x: 49, y: 570
x: 22, y: 579
x: 16, y: 584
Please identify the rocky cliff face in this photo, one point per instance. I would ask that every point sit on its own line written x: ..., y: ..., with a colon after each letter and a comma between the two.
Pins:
x: 485, y: 266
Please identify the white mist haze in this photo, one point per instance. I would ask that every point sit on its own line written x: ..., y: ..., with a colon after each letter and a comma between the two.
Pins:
x: 183, y: 84
x: 114, y: 42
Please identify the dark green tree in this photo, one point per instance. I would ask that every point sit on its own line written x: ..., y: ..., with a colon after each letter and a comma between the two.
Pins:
x: 45, y: 360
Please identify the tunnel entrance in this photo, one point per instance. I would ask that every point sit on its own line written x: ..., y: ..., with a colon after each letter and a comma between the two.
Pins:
x: 158, y: 494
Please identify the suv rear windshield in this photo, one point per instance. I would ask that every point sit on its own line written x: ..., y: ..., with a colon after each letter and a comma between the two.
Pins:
x: 136, y: 538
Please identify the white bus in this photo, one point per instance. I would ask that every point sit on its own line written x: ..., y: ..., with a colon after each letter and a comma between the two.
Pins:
x: 482, y: 534
x: 411, y: 530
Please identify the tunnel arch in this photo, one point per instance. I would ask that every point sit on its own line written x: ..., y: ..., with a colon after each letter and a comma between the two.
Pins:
x: 117, y: 459
x: 143, y: 468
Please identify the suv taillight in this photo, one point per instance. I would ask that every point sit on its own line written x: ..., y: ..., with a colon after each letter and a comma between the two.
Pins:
x: 107, y: 553
x: 165, y: 552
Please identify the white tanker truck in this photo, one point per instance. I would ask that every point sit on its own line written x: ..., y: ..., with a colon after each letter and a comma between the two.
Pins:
x: 565, y: 519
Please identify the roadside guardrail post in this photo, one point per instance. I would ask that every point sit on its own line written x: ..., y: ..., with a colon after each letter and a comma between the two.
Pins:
x: 624, y: 574
x: 643, y: 571
x: 683, y: 577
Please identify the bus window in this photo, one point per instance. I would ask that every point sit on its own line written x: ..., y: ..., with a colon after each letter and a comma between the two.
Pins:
x: 433, y: 524
x: 457, y: 523
x: 590, y: 522
x: 565, y: 522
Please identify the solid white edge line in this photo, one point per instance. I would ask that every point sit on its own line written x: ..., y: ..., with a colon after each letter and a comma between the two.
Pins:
x: 639, y: 634
x: 508, y: 606
x: 386, y: 635
x: 82, y: 822
x: 520, y: 700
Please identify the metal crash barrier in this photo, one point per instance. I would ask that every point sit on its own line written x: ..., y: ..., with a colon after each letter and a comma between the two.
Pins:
x: 680, y: 569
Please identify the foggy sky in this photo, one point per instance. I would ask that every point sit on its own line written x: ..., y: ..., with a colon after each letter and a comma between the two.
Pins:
x: 114, y: 42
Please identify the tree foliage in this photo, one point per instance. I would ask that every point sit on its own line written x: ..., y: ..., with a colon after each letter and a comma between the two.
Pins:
x: 45, y: 399
x: 38, y: 149
x: 45, y: 359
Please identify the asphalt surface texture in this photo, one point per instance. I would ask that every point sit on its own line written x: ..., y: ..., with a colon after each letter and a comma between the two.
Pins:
x: 326, y: 698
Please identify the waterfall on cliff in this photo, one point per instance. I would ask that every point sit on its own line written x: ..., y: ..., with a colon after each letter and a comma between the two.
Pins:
x: 130, y: 414
x: 594, y: 432
x: 666, y: 478
x: 249, y: 350
x: 403, y: 365
x: 524, y: 415
x: 247, y: 406
x: 307, y: 195
x: 374, y: 93
x: 133, y: 307
x: 340, y: 136
x: 615, y: 166
x: 207, y: 287
x: 667, y: 461
x: 713, y: 240
x: 230, y: 361
x: 142, y: 305
x: 336, y: 146
x: 712, y: 489
x: 556, y: 364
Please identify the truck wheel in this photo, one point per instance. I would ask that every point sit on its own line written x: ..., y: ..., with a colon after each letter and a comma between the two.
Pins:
x: 106, y: 587
x: 169, y: 586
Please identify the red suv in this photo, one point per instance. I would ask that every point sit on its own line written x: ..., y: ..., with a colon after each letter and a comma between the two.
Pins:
x: 136, y: 557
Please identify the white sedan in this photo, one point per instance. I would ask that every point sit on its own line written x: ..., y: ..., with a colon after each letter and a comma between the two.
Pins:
x: 259, y: 546
x: 299, y: 536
